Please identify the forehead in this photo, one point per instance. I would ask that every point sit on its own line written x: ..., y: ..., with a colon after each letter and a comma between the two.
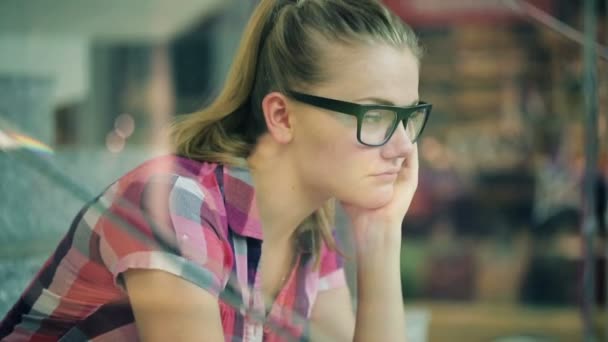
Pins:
x: 377, y: 70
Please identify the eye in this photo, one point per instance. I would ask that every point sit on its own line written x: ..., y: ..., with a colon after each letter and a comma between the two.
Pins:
x: 373, y: 117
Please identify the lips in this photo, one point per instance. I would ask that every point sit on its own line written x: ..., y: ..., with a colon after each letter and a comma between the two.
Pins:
x: 391, y: 172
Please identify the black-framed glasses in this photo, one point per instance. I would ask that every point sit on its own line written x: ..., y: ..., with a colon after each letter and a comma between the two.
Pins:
x: 375, y: 123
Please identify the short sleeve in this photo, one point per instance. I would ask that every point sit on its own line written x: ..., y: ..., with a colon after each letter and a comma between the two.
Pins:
x: 331, y: 269
x: 167, y: 223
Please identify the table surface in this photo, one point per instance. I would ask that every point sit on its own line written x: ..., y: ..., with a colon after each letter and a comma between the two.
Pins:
x: 474, y: 321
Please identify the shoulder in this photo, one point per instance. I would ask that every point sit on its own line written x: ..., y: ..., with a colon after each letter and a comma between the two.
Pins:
x: 172, y: 165
x: 167, y: 214
x: 171, y: 175
x: 170, y: 189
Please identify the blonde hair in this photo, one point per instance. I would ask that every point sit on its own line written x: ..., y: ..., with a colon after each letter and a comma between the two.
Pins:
x: 280, y: 49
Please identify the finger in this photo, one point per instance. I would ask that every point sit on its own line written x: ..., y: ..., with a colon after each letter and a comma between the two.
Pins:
x: 409, y: 169
x: 407, y: 182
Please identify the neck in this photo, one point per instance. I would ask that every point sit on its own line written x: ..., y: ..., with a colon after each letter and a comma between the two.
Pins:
x: 282, y: 197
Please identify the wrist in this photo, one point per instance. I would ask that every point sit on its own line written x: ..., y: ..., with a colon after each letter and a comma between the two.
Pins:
x: 378, y: 247
x: 377, y: 237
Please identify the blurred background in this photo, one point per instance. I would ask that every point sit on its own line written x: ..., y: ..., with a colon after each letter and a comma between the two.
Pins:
x: 493, y: 248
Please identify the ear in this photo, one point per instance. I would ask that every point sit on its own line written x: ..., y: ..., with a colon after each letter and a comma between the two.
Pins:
x: 277, y: 116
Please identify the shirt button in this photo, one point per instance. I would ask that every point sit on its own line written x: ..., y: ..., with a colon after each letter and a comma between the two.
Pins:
x: 185, y: 237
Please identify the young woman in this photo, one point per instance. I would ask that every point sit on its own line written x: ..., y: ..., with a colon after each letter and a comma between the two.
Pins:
x: 231, y: 238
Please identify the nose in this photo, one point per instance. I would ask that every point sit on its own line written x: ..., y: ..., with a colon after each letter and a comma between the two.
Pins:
x: 399, y: 145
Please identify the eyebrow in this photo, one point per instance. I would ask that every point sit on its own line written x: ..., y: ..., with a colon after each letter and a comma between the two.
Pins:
x: 386, y: 102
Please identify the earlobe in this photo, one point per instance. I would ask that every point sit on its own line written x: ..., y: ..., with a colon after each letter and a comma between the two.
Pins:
x: 277, y: 116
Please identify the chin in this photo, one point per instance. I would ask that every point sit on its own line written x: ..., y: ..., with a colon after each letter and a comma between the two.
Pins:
x: 372, y: 199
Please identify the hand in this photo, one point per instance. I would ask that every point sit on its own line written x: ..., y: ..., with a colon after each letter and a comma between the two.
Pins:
x: 388, y: 218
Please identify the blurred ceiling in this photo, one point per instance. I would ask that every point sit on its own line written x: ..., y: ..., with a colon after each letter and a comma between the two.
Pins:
x: 116, y: 20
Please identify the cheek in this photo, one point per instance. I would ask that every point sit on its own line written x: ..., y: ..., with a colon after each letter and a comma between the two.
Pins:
x: 329, y: 137
x: 334, y: 162
x: 351, y: 182
x: 332, y: 152
x: 347, y: 163
x: 339, y: 146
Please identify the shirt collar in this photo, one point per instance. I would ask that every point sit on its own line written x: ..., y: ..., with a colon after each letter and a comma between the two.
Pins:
x: 241, y: 210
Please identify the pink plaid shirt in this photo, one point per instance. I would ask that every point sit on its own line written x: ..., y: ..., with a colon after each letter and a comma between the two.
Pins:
x: 195, y: 220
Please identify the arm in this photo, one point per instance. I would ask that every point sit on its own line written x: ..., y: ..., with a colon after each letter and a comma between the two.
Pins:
x: 168, y: 308
x: 380, y: 311
x: 377, y: 237
x: 380, y: 314
x: 142, y: 244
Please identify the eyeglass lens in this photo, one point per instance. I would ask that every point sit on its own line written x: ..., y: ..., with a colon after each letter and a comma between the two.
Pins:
x: 377, y: 125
